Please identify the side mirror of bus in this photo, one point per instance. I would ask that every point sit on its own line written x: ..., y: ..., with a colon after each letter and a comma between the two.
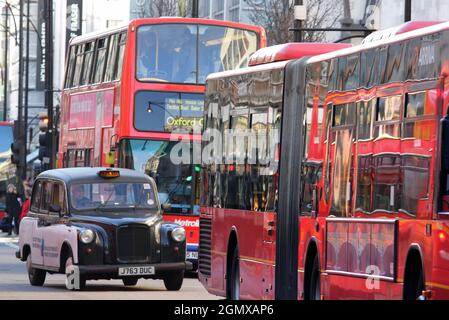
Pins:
x: 315, y: 202
x: 110, y: 158
x: 166, y: 207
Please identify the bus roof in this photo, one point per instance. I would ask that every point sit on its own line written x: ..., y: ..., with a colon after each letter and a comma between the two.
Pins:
x: 394, y: 31
x: 290, y: 51
x: 145, y: 21
x: 393, y: 39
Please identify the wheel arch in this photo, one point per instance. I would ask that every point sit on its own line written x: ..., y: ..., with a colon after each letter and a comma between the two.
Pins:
x: 413, y: 258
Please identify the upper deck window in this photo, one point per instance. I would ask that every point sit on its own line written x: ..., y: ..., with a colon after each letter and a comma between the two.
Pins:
x: 183, y: 53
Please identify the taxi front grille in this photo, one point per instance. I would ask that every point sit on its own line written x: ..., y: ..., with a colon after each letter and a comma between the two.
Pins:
x: 205, y: 250
x: 133, y: 244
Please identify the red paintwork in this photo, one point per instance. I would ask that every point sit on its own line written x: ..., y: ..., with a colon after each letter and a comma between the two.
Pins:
x: 257, y: 247
x: 290, y: 51
x: 115, y: 119
x: 429, y: 231
x: 191, y: 224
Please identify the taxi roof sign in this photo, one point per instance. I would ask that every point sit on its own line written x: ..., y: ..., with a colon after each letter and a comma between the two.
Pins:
x: 109, y: 174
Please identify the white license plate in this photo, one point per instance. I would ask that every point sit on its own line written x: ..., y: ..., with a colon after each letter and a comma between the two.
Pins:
x: 136, y: 271
x: 192, y: 255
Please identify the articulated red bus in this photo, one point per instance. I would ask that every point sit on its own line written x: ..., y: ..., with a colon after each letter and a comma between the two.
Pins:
x: 127, y: 90
x: 7, y: 169
x: 353, y: 203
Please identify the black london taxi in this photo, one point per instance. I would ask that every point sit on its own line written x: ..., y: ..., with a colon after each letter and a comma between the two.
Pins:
x: 99, y: 223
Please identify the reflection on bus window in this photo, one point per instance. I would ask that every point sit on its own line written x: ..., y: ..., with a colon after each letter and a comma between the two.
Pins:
x: 174, y: 181
x: 183, y: 53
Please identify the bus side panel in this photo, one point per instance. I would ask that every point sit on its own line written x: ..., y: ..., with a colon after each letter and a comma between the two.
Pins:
x: 310, y: 229
x: 415, y: 234
x: 249, y: 229
x: 352, y: 288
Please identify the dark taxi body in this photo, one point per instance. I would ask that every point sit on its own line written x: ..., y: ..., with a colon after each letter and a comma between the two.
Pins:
x: 97, y: 223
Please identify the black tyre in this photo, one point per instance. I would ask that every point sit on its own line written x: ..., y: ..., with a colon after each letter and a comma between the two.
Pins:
x: 173, y: 280
x: 234, y: 280
x: 414, y: 286
x: 130, y: 282
x: 82, y: 280
x: 36, y: 276
x: 315, y: 283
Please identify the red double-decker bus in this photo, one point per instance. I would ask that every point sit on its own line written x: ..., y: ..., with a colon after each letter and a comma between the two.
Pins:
x: 130, y: 93
x: 7, y: 169
x: 355, y: 196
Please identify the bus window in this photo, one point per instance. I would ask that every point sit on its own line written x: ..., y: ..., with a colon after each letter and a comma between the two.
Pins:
x: 71, y: 67
x: 120, y: 57
x: 222, y: 49
x: 365, y: 122
x: 78, y: 66
x: 395, y: 70
x: 100, y: 60
x: 387, y: 175
x: 87, y: 65
x: 112, y: 59
x: 388, y: 117
x: 364, y: 184
x: 414, y: 168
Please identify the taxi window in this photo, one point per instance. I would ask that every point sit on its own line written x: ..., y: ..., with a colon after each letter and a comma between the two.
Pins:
x: 46, y: 196
x: 37, y: 196
x: 58, y: 196
x: 109, y: 196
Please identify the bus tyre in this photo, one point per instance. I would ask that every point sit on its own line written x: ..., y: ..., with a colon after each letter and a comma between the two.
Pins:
x: 314, y: 286
x: 414, y: 286
x: 36, y: 276
x: 173, y: 280
x: 130, y: 282
x: 234, y: 280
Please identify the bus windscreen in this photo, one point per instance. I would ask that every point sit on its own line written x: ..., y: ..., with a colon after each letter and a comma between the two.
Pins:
x: 188, y: 53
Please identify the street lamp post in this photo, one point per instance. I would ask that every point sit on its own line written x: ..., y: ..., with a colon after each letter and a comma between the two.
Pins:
x: 300, y: 16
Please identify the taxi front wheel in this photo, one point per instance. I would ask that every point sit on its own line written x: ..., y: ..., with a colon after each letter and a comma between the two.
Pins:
x: 36, y: 276
x: 173, y: 280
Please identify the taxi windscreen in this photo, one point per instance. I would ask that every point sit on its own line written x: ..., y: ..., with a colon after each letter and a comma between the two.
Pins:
x: 110, y: 196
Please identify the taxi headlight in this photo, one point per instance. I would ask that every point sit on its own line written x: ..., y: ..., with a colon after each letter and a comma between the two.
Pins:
x: 178, y: 234
x: 87, y: 236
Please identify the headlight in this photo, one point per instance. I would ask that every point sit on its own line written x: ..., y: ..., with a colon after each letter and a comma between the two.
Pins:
x: 157, y: 233
x: 178, y: 234
x: 87, y: 236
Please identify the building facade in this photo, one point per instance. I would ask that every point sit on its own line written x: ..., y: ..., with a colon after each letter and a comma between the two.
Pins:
x: 93, y: 15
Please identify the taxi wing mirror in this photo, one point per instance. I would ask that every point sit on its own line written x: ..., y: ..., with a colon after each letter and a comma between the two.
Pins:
x: 55, y: 208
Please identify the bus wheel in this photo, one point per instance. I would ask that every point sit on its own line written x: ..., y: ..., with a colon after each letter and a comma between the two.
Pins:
x: 414, y: 283
x: 173, y: 280
x: 234, y: 280
x: 36, y: 276
x: 315, y: 285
